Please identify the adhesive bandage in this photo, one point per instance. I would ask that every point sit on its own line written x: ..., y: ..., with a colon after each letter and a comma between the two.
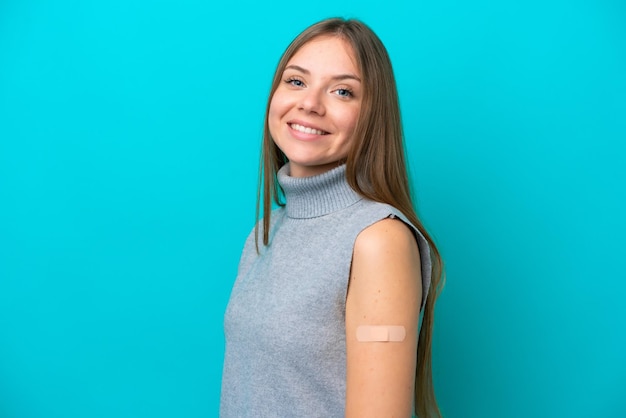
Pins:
x: 380, y: 333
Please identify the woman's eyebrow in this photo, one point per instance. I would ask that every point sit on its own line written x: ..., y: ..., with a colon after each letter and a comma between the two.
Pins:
x: 337, y: 77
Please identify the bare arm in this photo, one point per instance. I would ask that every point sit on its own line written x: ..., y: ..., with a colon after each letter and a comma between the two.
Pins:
x: 385, y: 289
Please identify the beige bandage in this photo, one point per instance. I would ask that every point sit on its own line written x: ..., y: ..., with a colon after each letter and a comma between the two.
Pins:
x: 380, y: 333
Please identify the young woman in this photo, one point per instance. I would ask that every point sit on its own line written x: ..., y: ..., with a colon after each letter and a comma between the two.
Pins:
x: 324, y: 315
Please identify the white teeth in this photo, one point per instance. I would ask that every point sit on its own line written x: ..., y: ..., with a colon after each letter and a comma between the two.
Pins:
x: 306, y: 130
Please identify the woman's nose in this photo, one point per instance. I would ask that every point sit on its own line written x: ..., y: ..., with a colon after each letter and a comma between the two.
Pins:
x: 312, y: 102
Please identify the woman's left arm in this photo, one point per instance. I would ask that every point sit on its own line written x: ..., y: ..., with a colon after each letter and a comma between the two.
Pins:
x: 385, y: 289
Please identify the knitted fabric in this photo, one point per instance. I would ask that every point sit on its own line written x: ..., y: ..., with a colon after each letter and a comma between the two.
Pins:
x: 285, y: 322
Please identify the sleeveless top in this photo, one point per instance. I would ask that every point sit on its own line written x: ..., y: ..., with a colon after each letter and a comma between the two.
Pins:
x: 284, y: 325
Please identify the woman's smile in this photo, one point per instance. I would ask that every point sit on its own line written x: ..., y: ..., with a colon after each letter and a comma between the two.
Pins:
x: 306, y: 129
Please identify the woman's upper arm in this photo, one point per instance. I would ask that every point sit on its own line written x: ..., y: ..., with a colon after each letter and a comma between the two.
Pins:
x: 385, y: 289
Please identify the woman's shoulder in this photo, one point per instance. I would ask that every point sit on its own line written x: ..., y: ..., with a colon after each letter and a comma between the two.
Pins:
x: 390, y: 230
x: 378, y: 211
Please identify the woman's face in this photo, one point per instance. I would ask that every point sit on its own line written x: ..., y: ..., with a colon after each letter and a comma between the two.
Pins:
x: 314, y: 110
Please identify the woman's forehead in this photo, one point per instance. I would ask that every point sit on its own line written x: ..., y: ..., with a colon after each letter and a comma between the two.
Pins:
x: 325, y: 54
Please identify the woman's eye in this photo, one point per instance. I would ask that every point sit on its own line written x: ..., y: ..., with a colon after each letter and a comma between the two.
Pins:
x: 295, y: 82
x: 344, y: 92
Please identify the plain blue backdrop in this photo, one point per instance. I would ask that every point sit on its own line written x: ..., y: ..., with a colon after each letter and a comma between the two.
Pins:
x: 129, y: 140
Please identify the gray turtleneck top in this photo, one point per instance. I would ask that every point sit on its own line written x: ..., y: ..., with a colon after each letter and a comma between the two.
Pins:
x: 285, y: 322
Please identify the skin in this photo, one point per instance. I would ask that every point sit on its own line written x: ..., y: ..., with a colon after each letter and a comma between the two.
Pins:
x: 385, y: 289
x: 321, y: 90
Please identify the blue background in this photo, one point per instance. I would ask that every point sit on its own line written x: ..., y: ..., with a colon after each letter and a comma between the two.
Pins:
x: 129, y: 140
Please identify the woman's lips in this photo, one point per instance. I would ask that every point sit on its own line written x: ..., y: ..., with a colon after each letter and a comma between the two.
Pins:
x: 306, y: 130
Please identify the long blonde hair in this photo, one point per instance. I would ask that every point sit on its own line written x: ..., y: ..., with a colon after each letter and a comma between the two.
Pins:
x: 375, y: 166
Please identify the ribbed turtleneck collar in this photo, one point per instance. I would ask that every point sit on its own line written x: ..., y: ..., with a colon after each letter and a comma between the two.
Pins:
x: 310, y: 197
